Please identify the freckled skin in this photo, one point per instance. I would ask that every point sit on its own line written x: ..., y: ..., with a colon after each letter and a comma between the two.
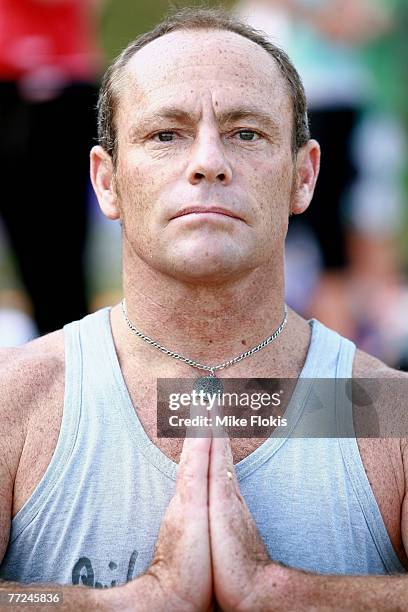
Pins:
x: 151, y: 176
x: 202, y: 277
x: 208, y: 546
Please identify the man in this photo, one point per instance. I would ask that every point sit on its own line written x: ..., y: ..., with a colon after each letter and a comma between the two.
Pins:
x: 204, y: 154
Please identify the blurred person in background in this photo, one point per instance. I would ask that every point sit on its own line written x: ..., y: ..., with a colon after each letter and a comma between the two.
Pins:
x: 357, y: 207
x: 49, y: 65
x: 378, y: 204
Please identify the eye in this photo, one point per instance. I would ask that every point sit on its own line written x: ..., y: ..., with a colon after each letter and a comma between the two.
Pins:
x: 248, y: 135
x: 164, y: 136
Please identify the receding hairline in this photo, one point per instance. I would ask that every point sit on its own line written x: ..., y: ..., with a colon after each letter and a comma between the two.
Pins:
x: 124, y: 75
x: 191, y: 19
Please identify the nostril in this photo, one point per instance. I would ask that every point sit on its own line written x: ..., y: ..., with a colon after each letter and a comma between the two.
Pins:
x: 197, y: 177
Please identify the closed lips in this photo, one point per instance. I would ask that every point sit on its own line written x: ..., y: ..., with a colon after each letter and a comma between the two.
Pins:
x: 201, y: 210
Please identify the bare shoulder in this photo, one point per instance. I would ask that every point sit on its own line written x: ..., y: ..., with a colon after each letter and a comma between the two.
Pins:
x: 28, y: 375
x: 383, y: 391
x: 367, y: 366
x: 380, y: 402
x: 28, y: 371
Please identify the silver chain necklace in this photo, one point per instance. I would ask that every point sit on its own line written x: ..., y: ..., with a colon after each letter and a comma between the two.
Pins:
x: 207, y: 383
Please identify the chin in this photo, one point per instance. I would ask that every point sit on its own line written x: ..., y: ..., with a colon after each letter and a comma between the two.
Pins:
x: 201, y: 273
x: 204, y: 261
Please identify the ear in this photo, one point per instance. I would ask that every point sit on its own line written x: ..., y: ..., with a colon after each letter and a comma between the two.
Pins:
x: 102, y: 177
x: 307, y: 170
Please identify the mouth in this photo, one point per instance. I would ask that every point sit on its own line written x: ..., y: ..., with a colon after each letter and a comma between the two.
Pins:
x: 205, y: 210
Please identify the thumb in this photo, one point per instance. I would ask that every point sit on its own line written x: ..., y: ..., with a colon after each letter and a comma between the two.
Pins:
x: 192, y: 474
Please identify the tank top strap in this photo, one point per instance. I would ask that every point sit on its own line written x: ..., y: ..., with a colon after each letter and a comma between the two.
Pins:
x: 96, y: 349
x: 330, y: 355
x: 345, y: 360
x: 99, y: 371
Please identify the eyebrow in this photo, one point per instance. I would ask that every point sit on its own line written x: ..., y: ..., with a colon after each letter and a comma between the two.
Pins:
x: 233, y: 115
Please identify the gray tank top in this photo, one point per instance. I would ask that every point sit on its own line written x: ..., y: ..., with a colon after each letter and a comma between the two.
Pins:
x: 94, y: 517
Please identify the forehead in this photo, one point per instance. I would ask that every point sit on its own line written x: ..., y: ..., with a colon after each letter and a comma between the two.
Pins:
x: 183, y: 66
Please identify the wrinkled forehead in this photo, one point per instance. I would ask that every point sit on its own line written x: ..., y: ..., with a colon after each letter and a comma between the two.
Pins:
x: 181, y: 63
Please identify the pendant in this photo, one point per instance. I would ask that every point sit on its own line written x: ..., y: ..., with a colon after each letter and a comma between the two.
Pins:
x: 209, y: 385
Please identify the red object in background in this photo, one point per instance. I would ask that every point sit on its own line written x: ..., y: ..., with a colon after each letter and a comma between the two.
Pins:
x: 57, y: 35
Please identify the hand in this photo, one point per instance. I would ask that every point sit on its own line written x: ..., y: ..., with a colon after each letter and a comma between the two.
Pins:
x: 240, y: 561
x: 182, y: 561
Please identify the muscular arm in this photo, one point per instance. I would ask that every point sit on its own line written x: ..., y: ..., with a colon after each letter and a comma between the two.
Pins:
x: 381, y: 593
x: 296, y: 590
x: 16, y: 392
x: 179, y: 579
x: 11, y: 444
x: 247, y: 580
x: 136, y: 596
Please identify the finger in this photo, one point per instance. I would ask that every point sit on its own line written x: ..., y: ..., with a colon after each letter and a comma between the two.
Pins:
x: 233, y: 532
x: 223, y: 478
x: 192, y: 476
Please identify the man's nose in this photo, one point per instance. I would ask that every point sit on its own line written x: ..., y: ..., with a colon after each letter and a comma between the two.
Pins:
x: 208, y: 160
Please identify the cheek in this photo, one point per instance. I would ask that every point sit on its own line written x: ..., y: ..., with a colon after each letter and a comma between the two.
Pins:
x: 271, y: 186
x: 283, y: 185
x: 136, y: 191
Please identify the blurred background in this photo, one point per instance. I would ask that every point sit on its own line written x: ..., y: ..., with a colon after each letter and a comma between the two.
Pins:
x: 347, y: 257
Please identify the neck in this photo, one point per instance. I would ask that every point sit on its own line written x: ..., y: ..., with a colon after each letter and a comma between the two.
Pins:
x: 211, y: 323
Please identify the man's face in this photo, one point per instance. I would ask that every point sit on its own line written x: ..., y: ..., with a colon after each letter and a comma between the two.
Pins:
x: 204, y: 123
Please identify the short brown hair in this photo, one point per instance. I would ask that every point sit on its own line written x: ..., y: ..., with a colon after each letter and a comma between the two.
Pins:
x: 198, y: 19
